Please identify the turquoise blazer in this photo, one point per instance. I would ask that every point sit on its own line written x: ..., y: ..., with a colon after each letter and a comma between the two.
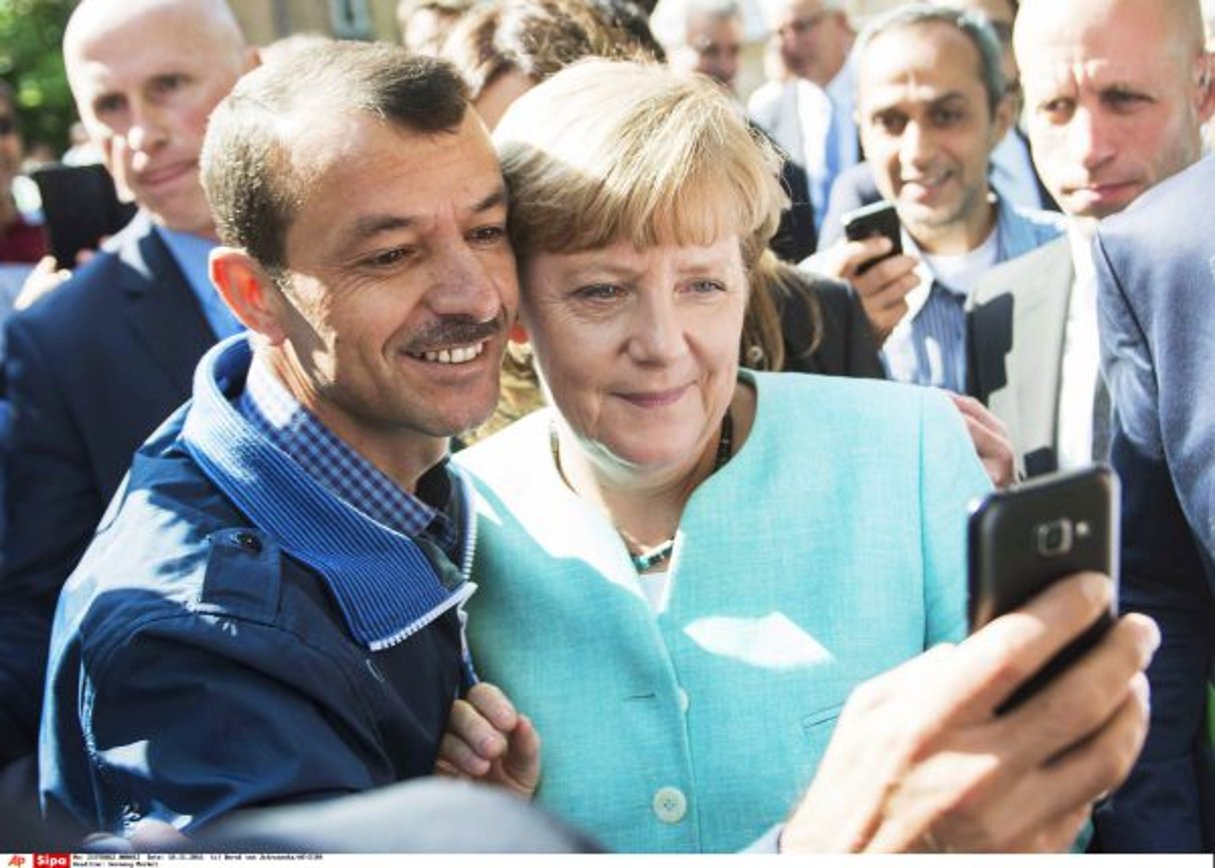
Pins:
x: 830, y: 549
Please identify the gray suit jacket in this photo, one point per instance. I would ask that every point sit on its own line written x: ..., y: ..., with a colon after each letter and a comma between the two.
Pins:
x: 1015, y: 326
x: 1156, y: 274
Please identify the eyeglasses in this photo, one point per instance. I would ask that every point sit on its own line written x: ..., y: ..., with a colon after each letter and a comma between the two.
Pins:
x: 8, y: 125
x: 800, y: 26
x: 708, y: 48
x: 1003, y: 31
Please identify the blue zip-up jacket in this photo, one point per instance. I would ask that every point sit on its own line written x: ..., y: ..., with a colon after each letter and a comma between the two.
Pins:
x: 236, y: 636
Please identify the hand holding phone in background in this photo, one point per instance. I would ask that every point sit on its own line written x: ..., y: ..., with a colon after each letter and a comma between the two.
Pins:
x: 870, y: 257
x: 46, y: 276
x: 81, y: 208
x: 875, y: 220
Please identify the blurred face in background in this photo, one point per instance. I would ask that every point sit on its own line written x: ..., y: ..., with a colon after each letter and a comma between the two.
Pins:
x: 10, y: 146
x: 714, y: 46
x: 813, y: 39
x: 928, y: 132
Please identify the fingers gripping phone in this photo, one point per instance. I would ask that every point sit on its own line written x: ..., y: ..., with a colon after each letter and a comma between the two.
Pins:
x: 1025, y: 537
x: 877, y: 218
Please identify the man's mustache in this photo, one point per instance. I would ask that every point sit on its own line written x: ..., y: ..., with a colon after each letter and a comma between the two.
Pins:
x: 455, y: 331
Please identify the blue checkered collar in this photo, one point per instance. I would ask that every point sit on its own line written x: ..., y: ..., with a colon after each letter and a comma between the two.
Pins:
x: 387, y: 585
x: 268, y: 405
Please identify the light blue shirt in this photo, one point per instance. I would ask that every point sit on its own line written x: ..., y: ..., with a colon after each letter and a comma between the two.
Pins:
x: 929, y: 347
x: 191, y: 253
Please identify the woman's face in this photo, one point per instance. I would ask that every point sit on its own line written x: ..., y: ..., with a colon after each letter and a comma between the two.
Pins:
x: 639, y: 348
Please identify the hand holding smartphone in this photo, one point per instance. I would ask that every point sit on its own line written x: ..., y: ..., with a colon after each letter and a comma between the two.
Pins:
x: 877, y: 218
x: 80, y: 207
x: 1023, y: 538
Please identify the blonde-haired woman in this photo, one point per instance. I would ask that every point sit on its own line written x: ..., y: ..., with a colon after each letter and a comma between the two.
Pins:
x: 685, y: 567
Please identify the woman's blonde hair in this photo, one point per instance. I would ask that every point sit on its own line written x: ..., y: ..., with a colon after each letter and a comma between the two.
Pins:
x: 609, y: 151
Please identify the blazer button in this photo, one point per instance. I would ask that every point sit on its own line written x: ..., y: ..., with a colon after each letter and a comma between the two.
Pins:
x: 670, y: 804
x: 248, y: 541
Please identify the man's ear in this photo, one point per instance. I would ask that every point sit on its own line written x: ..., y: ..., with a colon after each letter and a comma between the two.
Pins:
x: 252, y: 58
x: 1205, y: 75
x: 248, y: 291
x: 1003, y: 119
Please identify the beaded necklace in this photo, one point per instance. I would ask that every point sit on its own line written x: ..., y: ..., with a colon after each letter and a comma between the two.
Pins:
x: 648, y: 559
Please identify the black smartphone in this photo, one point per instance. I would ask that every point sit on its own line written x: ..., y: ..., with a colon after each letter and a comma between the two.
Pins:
x: 1025, y: 537
x: 876, y: 218
x: 79, y: 207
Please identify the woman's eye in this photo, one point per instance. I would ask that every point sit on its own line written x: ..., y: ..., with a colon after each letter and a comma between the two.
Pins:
x: 706, y: 287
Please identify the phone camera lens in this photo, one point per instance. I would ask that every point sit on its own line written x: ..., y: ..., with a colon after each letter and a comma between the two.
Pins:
x: 1055, y: 538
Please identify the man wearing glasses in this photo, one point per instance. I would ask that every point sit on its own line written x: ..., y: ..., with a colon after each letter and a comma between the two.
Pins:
x: 810, y: 112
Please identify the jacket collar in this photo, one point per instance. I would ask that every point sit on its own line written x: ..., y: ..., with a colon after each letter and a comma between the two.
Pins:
x: 387, y: 585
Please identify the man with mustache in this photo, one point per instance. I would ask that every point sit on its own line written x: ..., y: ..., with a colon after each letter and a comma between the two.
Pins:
x: 272, y: 605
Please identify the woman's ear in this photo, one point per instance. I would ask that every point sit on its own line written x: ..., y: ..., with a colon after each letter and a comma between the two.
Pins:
x: 517, y: 332
x: 248, y: 291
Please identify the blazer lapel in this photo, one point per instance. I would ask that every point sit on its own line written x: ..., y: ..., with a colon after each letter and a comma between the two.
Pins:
x: 1016, y: 330
x: 162, y: 310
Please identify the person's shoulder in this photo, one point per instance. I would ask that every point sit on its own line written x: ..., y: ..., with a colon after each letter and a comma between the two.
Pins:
x: 859, y: 176
x: 1010, y: 275
x: 509, y: 453
x: 1057, y: 247
x: 91, y: 295
x: 854, y: 187
x: 1165, y: 213
x: 162, y: 542
x: 765, y: 102
x: 86, y: 310
x: 1044, y: 225
x: 817, y: 414
x: 836, y: 296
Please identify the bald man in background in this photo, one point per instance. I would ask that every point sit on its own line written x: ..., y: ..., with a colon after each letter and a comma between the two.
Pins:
x: 1108, y: 120
x: 96, y: 366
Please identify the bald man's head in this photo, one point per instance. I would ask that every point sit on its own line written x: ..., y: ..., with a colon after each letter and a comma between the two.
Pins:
x: 1116, y: 92
x: 92, y: 17
x: 145, y: 75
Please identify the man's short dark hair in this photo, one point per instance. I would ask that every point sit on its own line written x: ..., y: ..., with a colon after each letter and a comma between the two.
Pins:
x: 253, y: 191
x: 974, y: 26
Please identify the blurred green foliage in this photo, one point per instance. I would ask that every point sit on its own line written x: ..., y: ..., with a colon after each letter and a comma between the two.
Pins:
x: 31, y: 61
